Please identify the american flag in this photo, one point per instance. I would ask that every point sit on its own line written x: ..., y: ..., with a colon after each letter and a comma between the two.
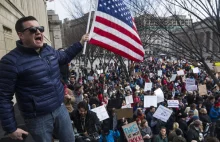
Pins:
x: 113, y: 28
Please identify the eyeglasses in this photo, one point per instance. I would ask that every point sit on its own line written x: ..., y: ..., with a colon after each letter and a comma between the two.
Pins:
x: 34, y: 29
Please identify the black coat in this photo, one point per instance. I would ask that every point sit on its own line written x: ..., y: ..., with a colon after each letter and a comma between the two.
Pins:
x: 183, y: 126
x: 193, y: 134
x: 92, y: 123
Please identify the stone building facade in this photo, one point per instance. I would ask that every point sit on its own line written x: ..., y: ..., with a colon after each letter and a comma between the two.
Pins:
x: 55, y: 29
x: 11, y: 11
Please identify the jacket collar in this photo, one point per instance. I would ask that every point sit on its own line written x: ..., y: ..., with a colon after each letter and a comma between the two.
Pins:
x: 27, y: 49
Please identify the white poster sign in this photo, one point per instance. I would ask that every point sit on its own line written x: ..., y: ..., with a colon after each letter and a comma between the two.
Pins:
x: 129, y: 99
x: 150, y: 101
x: 101, y: 113
x: 196, y: 70
x: 191, y: 87
x: 162, y: 113
x: 99, y: 71
x: 160, y: 95
x: 173, y: 78
x: 180, y: 72
x: 148, y: 86
x: 173, y: 103
x: 159, y: 73
x: 190, y: 81
x: 127, y: 106
x: 90, y: 78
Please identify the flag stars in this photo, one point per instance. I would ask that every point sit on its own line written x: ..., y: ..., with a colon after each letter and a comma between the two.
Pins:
x: 105, y: 4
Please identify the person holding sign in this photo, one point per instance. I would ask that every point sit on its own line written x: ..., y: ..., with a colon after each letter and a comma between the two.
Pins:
x: 146, y: 131
x: 85, y: 121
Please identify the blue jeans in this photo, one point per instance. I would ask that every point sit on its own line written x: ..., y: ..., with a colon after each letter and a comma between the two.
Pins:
x: 57, y: 122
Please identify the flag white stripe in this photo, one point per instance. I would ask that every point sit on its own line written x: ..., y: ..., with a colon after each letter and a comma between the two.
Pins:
x: 116, y: 21
x: 117, y: 46
x: 119, y: 34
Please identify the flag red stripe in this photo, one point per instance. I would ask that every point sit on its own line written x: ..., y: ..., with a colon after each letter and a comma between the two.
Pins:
x: 117, y: 27
x: 113, y: 49
x: 118, y: 40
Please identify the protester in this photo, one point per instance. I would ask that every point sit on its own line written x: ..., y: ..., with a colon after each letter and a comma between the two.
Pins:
x: 31, y: 72
x: 146, y: 131
x: 162, y: 137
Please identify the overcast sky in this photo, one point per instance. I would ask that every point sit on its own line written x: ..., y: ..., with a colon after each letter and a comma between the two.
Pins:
x: 59, y: 9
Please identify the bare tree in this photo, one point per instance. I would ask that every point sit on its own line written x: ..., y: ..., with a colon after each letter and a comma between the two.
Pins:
x: 194, y: 41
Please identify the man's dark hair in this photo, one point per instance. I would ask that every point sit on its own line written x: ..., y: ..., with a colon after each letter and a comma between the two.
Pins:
x: 19, y: 24
x: 151, y: 107
x: 211, y: 139
x: 83, y: 105
x: 163, y: 128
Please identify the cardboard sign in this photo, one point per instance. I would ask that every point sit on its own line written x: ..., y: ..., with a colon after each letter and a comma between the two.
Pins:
x: 129, y: 99
x: 196, y: 70
x: 191, y: 87
x: 150, y: 101
x: 132, y: 132
x: 148, y: 86
x: 138, y: 73
x: 162, y: 113
x: 159, y: 73
x: 217, y: 69
x: 190, y: 81
x: 125, y: 112
x: 173, y: 103
x: 90, y: 78
x: 101, y: 113
x: 173, y: 78
x: 202, y: 90
x: 160, y: 95
x: 180, y: 72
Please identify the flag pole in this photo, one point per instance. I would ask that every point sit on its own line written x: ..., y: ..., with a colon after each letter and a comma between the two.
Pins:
x: 88, y: 24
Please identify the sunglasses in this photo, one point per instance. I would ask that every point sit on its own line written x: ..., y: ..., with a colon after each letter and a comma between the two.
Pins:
x: 34, y: 29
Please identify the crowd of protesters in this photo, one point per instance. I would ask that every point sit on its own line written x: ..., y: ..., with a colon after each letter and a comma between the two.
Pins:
x: 197, y: 119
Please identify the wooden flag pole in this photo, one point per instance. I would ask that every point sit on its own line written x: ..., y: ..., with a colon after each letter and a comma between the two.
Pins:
x: 88, y: 24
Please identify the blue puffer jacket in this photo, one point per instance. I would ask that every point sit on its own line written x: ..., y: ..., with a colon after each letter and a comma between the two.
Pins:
x: 35, y: 80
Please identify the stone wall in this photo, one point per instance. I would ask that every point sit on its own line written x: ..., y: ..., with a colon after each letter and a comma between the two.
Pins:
x: 11, y: 11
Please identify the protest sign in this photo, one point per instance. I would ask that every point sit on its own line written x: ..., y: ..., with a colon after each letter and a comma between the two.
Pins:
x: 125, y: 112
x: 129, y: 99
x: 196, y: 70
x: 160, y: 95
x: 148, y: 86
x: 191, y: 87
x: 150, y: 101
x: 190, y: 81
x: 173, y: 103
x: 90, y: 78
x: 217, y: 69
x: 202, y: 90
x: 126, y: 106
x: 173, y: 78
x: 180, y: 72
x: 138, y: 73
x: 99, y: 71
x: 159, y: 73
x: 162, y: 113
x: 132, y: 132
x: 210, y: 65
x: 101, y: 113
x: 115, y: 103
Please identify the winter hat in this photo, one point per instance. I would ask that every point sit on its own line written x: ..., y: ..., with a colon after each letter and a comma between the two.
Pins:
x: 178, y: 132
